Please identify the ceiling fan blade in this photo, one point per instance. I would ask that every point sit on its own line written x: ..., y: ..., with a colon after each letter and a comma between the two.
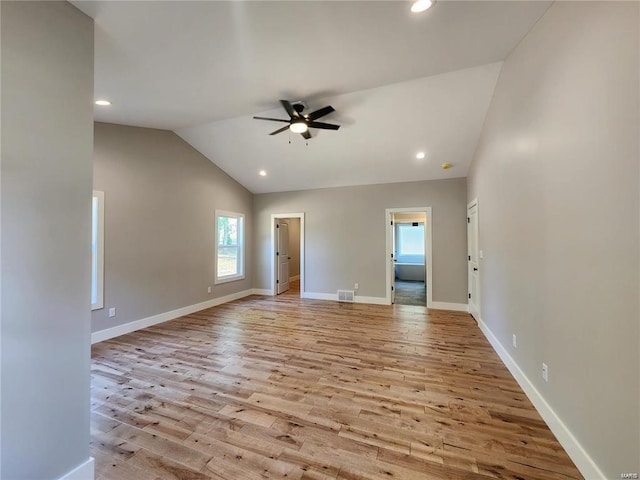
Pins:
x: 321, y: 112
x: 272, y: 119
x: 306, y: 134
x: 326, y: 126
x: 289, y: 108
x: 280, y: 130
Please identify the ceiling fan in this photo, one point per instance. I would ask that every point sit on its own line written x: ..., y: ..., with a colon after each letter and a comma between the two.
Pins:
x: 299, y: 122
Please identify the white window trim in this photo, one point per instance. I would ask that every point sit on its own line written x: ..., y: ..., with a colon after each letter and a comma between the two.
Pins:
x: 241, y: 240
x: 100, y: 250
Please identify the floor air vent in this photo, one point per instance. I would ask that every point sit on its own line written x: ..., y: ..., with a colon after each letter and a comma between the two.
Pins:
x: 346, y: 295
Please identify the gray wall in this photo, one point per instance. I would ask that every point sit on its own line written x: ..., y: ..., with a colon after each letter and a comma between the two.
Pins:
x: 556, y: 174
x: 294, y: 246
x: 45, y: 189
x: 345, y: 235
x: 160, y: 201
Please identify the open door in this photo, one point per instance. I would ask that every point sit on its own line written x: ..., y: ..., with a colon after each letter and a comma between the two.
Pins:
x: 282, y: 254
x: 393, y: 262
x: 419, y: 268
x: 473, y: 259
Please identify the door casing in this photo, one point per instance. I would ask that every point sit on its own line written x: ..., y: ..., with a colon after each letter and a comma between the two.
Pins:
x: 428, y: 257
x: 274, y: 246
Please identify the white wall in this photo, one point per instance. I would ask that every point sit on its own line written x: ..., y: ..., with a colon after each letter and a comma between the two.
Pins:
x: 557, y: 178
x: 345, y: 235
x: 45, y: 189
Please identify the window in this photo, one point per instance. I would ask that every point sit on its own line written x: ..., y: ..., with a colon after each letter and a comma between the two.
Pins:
x: 229, y: 246
x: 410, y: 242
x: 97, y: 250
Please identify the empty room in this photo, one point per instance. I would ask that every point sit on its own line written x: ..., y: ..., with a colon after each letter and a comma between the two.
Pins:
x: 319, y: 240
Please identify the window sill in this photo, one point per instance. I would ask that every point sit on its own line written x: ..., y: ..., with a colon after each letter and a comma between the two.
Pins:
x: 218, y: 281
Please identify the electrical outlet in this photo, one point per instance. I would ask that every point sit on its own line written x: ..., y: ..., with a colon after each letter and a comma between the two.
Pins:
x: 545, y: 372
x: 514, y: 341
x: 112, y: 312
x: 209, y: 290
x: 356, y: 287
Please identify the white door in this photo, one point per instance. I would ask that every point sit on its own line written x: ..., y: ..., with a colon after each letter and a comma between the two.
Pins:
x: 393, y: 261
x: 473, y: 259
x: 283, y: 257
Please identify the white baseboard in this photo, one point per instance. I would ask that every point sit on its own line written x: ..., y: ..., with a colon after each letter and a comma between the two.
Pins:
x: 108, y: 333
x: 371, y: 300
x: 334, y: 297
x: 576, y: 452
x: 319, y: 296
x: 262, y: 291
x: 294, y: 278
x: 456, y: 307
x: 84, y: 471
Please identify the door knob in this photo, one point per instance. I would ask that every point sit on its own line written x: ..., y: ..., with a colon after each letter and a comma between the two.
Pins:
x: 475, y: 269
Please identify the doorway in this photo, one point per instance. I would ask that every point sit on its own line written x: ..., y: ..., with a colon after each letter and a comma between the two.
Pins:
x: 287, y: 246
x: 409, y: 256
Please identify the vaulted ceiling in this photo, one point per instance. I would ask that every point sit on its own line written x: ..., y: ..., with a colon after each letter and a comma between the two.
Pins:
x: 400, y: 82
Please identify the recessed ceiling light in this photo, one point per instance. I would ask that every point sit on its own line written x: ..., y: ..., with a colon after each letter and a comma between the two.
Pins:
x: 421, y: 5
x: 103, y: 103
x: 420, y: 155
x: 298, y: 127
x: 262, y: 173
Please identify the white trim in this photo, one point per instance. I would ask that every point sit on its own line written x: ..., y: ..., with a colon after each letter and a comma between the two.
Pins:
x: 84, y: 471
x: 262, y: 291
x: 428, y: 253
x: 294, y: 278
x: 108, y: 333
x: 456, y: 307
x: 99, y: 250
x: 274, y: 273
x: 587, y: 466
x: 371, y: 300
x: 334, y: 298
x: 319, y: 296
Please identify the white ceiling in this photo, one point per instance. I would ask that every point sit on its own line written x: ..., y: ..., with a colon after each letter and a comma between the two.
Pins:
x: 400, y: 82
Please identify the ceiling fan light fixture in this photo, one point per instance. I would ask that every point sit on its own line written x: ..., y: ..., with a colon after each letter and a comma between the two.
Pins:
x: 421, y: 5
x: 298, y: 127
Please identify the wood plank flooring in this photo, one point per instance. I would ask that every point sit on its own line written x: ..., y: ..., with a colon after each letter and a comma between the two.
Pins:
x: 281, y: 387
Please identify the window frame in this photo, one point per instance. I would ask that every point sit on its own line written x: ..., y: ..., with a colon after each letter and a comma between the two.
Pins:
x: 411, y: 256
x: 240, y: 246
x: 98, y: 260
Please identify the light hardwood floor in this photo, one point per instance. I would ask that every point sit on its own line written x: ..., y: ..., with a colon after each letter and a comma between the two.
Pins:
x: 301, y: 389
